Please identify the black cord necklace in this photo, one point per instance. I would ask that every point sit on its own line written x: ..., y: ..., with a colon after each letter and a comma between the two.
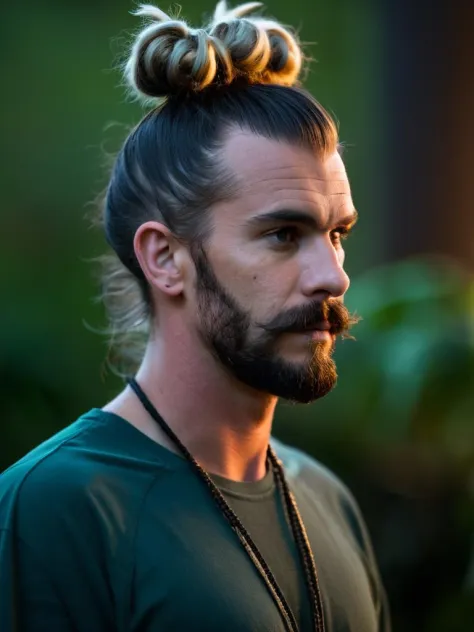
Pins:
x: 292, y: 512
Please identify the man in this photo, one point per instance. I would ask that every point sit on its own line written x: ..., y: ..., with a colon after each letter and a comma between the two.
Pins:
x: 172, y: 507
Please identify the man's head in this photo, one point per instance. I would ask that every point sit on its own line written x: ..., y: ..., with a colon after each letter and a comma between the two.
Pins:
x: 228, y: 203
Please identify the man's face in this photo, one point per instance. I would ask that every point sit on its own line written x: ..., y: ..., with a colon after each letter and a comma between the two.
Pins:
x: 270, y: 282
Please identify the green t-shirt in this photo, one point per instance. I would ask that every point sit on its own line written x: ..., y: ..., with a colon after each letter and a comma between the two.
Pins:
x: 102, y: 529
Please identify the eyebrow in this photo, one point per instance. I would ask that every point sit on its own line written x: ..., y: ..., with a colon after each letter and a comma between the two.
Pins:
x: 299, y: 217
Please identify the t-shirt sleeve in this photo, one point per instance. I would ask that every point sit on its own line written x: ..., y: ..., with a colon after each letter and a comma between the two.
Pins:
x: 55, y: 551
x: 28, y: 599
x: 340, y: 501
x: 353, y: 516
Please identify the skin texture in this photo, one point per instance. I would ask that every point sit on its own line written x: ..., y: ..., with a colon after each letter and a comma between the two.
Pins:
x: 228, y: 339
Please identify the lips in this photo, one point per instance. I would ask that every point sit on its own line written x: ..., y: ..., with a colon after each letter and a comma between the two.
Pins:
x: 322, y: 326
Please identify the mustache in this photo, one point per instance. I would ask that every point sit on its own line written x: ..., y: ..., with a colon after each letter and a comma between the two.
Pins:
x: 312, y: 316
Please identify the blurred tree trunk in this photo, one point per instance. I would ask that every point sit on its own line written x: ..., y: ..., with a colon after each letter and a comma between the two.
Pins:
x: 428, y: 85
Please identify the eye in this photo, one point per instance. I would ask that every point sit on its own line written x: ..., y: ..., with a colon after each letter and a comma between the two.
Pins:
x: 285, y: 236
x: 339, y: 234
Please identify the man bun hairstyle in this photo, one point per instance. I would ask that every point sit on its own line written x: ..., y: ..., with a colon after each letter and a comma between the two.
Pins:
x: 238, y: 73
x: 169, y: 57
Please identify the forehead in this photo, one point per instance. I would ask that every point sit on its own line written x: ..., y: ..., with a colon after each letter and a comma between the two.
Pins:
x: 269, y: 168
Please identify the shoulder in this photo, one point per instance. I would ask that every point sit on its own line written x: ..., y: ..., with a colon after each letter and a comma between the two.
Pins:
x: 314, y: 483
x: 41, y: 476
x: 320, y: 484
x: 63, y: 529
x: 301, y: 468
x: 75, y: 485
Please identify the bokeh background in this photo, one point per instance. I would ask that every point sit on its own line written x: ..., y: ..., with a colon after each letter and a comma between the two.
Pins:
x: 399, y: 428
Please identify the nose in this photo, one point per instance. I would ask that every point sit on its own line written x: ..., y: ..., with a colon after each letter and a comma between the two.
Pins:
x: 324, y: 271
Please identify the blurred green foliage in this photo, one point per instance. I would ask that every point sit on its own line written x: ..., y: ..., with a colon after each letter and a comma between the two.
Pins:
x: 399, y: 426
x: 399, y: 429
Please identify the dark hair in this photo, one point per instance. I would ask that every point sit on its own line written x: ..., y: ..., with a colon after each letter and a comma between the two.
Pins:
x: 170, y: 169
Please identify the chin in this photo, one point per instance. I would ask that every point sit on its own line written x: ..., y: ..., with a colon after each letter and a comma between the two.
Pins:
x: 302, y: 383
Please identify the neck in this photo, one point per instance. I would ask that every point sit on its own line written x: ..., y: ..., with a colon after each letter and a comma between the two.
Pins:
x: 224, y: 424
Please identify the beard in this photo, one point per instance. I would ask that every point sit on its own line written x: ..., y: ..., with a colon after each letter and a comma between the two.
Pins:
x: 248, y: 350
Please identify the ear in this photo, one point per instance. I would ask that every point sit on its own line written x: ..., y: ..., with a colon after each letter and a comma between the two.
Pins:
x: 159, y: 257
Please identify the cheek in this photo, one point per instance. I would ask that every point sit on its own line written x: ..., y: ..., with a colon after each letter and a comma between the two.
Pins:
x: 271, y: 295
x: 261, y: 294
x: 255, y: 290
x: 257, y: 282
